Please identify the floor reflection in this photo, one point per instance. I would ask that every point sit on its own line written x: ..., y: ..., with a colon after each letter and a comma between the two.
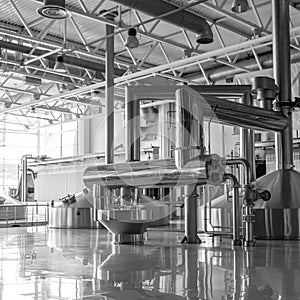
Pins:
x: 40, y: 263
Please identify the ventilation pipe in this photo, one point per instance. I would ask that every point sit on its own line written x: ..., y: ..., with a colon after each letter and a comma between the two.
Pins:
x: 220, y: 72
x: 181, y: 19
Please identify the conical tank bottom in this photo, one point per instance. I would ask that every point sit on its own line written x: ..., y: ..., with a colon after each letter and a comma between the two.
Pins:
x: 284, y: 186
x: 279, y: 218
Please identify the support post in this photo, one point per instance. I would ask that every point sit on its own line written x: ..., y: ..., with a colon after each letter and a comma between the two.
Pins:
x: 247, y: 139
x: 133, y: 127
x: 190, y: 210
x: 109, y: 93
x: 24, y: 179
x: 282, y: 75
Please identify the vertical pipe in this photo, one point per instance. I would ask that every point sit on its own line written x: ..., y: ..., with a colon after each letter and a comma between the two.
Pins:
x: 190, y: 209
x: 249, y: 240
x: 236, y: 216
x: 189, y: 127
x: 132, y: 138
x: 247, y: 139
x: 282, y: 74
x: 109, y: 93
x: 24, y: 179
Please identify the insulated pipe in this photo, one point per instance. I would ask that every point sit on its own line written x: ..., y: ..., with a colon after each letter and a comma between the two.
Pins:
x: 228, y: 111
x: 147, y: 174
x: 223, y: 89
x: 182, y: 19
x: 189, y: 127
x: 109, y: 95
x: 247, y: 139
x: 244, y: 115
x: 282, y: 74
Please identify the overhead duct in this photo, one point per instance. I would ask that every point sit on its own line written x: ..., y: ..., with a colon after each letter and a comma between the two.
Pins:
x: 222, y: 72
x: 32, y: 81
x: 68, y: 60
x: 181, y: 19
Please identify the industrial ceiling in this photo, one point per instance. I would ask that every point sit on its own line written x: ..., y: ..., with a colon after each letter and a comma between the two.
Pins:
x: 33, y: 93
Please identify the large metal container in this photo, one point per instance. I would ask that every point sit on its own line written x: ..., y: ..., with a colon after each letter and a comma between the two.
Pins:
x: 279, y: 217
x: 72, y: 217
x: 277, y: 223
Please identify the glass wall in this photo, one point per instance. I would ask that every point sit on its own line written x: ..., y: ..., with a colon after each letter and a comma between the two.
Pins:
x: 59, y: 140
x: 55, y: 141
x: 14, y: 143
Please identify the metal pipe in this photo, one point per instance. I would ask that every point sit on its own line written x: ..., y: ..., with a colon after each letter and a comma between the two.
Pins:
x: 282, y: 74
x: 157, y: 8
x: 209, y: 219
x: 248, y: 215
x: 146, y: 174
x: 109, y: 96
x: 133, y: 127
x: 236, y: 216
x: 190, y: 209
x: 24, y: 187
x: 227, y: 111
x: 222, y: 89
x: 189, y: 127
x: 244, y: 115
x: 245, y: 164
x: 247, y: 138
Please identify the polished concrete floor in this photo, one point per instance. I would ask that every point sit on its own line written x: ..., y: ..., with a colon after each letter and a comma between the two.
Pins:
x: 42, y: 263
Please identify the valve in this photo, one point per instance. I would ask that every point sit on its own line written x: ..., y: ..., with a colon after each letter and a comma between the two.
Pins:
x: 250, y: 195
x: 264, y: 195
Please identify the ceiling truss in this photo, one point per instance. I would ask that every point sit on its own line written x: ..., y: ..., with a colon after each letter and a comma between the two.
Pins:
x: 30, y: 43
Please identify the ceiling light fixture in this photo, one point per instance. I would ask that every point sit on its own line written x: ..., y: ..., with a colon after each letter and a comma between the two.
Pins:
x: 205, y: 36
x: 7, y: 104
x: 132, y: 41
x: 54, y: 9
x: 239, y: 6
x: 60, y: 65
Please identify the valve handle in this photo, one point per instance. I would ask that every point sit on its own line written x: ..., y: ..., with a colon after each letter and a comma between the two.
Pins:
x: 265, y: 195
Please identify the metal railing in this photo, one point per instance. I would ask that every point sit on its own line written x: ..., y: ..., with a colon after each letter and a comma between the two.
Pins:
x: 28, y: 214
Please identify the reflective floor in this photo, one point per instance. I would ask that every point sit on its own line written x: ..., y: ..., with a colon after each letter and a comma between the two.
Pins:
x: 41, y: 263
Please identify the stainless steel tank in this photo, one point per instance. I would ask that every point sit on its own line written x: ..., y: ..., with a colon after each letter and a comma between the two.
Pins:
x: 72, y: 217
x: 77, y: 213
x: 279, y: 218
